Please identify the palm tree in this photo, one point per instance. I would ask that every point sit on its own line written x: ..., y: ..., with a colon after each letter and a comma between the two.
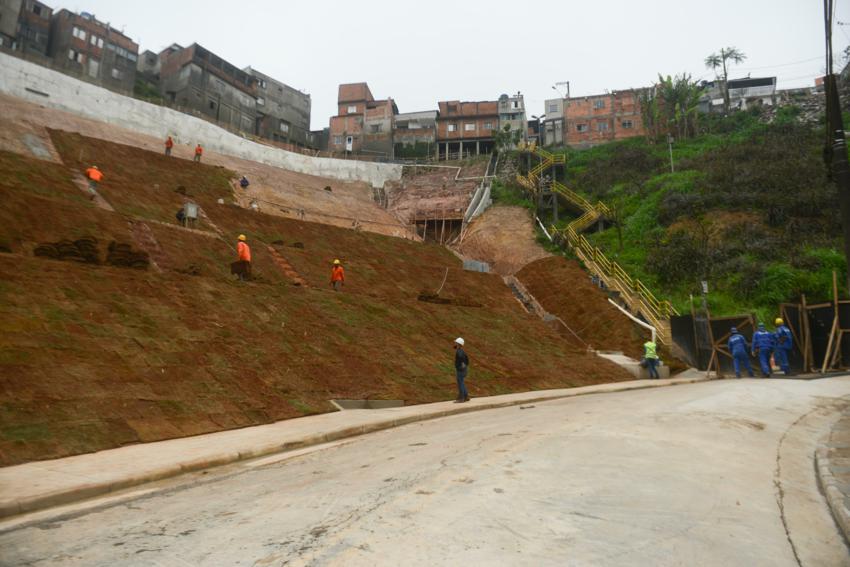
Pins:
x: 732, y: 55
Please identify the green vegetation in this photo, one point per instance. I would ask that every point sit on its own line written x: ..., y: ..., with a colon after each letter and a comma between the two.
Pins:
x: 749, y: 208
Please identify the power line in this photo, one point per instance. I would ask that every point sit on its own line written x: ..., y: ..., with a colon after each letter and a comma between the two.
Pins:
x: 780, y: 65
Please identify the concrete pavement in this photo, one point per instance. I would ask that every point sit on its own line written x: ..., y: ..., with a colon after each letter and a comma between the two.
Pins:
x: 716, y: 473
x: 44, y: 484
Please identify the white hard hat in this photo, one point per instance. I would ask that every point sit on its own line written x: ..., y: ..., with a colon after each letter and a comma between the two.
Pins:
x: 459, y: 341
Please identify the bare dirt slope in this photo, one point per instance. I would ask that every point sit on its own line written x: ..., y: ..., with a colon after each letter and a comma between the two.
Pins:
x: 435, y: 192
x: 504, y: 238
x: 564, y: 289
x: 95, y: 354
x: 280, y: 192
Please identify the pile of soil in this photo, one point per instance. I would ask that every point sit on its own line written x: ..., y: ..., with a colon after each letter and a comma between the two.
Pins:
x: 564, y: 289
x: 80, y: 250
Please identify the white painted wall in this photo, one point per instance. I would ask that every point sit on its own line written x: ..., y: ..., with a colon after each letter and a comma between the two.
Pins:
x: 19, y: 78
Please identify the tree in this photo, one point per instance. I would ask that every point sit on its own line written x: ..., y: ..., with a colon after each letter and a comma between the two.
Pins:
x: 722, y: 60
x: 506, y: 138
x: 671, y: 107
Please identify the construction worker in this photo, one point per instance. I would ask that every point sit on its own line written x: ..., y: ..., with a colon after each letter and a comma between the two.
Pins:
x: 337, y: 276
x: 784, y: 341
x: 650, y: 357
x: 738, y: 348
x: 461, y: 370
x: 94, y: 176
x: 244, y: 252
x: 169, y: 143
x: 199, y: 151
x: 763, y: 345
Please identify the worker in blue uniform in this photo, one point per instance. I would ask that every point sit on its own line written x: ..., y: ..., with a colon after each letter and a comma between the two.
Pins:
x: 763, y: 345
x: 784, y: 343
x: 738, y: 348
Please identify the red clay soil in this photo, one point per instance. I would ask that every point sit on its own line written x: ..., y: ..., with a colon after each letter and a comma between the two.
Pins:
x: 564, y: 289
x: 94, y: 356
x: 504, y: 238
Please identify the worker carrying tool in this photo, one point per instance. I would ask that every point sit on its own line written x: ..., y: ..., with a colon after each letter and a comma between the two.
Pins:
x: 169, y: 143
x: 763, y: 344
x: 94, y: 176
x: 199, y: 151
x: 650, y: 358
x: 242, y: 267
x: 737, y: 345
x: 784, y: 342
x: 461, y: 370
x: 337, y: 276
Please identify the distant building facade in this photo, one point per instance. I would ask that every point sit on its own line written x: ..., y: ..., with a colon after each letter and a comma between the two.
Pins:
x: 591, y: 120
x: 283, y: 113
x: 465, y: 128
x: 196, y: 79
x: 552, y: 129
x: 415, y: 134
x: 512, y: 113
x: 25, y: 26
x: 362, y: 124
x: 743, y: 93
x: 82, y: 45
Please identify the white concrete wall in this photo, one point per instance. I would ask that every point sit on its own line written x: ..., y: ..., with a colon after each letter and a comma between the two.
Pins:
x: 19, y: 78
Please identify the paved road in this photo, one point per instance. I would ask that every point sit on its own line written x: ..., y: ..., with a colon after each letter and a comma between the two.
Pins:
x: 717, y: 473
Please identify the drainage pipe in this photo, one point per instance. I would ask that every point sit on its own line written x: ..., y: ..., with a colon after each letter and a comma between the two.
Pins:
x: 635, y: 319
x: 546, y: 232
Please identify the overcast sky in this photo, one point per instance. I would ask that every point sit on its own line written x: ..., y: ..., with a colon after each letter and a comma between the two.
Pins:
x: 421, y: 52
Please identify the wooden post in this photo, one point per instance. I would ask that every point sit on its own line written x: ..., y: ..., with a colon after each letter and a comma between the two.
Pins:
x: 826, y: 356
x: 807, y: 340
x: 713, y: 346
x: 694, y: 323
x: 443, y: 231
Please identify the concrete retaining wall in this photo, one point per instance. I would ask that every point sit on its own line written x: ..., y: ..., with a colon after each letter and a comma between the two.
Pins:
x: 40, y: 85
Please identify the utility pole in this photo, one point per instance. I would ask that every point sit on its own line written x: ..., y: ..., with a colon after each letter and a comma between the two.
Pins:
x: 836, y: 145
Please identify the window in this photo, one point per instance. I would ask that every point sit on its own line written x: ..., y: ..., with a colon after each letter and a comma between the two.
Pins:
x: 515, y: 104
x: 337, y: 140
x: 488, y: 125
x: 352, y: 109
x: 74, y: 55
x: 413, y: 126
x: 601, y: 126
x: 627, y: 124
x: 94, y: 67
x: 581, y: 127
x: 212, y: 105
x: 469, y: 127
x: 599, y: 103
x: 376, y: 128
x: 100, y: 42
x: 36, y: 9
x: 452, y: 127
x: 261, y: 83
x: 553, y: 107
x: 78, y: 33
x: 93, y: 39
x: 260, y: 101
x: 117, y: 73
x: 284, y: 127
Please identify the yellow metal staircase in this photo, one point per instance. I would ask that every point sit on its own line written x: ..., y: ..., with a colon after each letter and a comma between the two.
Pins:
x: 639, y: 299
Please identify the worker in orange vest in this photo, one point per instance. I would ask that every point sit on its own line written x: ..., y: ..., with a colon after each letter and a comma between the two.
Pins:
x: 244, y: 262
x: 95, y: 176
x: 199, y: 151
x: 337, y: 276
x: 169, y: 143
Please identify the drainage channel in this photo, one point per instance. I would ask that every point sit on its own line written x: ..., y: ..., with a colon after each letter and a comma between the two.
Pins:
x: 366, y: 404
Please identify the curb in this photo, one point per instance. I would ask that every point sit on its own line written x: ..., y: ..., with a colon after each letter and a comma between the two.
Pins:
x: 834, y: 497
x: 84, y: 491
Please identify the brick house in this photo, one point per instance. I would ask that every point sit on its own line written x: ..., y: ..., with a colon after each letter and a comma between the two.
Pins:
x: 466, y: 127
x: 591, y: 120
x: 362, y: 125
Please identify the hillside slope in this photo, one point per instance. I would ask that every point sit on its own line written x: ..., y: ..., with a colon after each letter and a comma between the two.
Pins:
x: 95, y: 355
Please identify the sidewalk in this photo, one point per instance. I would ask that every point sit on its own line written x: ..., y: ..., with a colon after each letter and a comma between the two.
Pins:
x: 46, y: 484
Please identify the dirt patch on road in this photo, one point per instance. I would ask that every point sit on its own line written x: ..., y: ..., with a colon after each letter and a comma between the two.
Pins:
x: 504, y: 238
x: 564, y: 289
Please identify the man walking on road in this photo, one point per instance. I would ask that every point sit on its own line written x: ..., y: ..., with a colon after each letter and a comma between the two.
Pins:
x: 738, y: 348
x: 169, y: 143
x: 763, y: 346
x: 337, y: 276
x: 784, y: 341
x: 199, y: 151
x: 461, y: 370
x: 94, y: 176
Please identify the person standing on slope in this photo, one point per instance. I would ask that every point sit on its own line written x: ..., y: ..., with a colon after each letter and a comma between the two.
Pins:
x: 784, y: 343
x: 763, y: 346
x: 650, y: 356
x: 94, y: 176
x: 738, y: 348
x: 337, y: 276
x: 199, y: 151
x: 244, y: 252
x: 169, y: 143
x: 461, y: 370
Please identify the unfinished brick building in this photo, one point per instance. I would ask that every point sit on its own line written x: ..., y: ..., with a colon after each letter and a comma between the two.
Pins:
x: 466, y: 128
x: 597, y: 119
x: 362, y: 125
x: 25, y: 27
